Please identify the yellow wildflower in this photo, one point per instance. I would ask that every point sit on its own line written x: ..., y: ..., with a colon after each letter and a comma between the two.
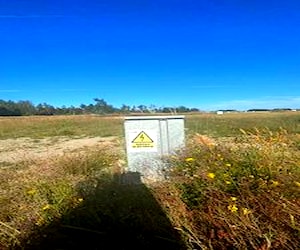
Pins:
x: 297, y: 183
x: 246, y: 211
x: 226, y: 175
x: 274, y: 183
x: 80, y: 199
x: 211, y: 175
x: 46, y: 207
x: 40, y: 222
x: 233, y: 198
x: 228, y: 165
x: 31, y: 192
x: 189, y: 159
x: 228, y: 182
x: 220, y: 157
x: 232, y: 208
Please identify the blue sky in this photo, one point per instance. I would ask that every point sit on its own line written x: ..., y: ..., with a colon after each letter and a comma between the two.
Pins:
x: 210, y: 54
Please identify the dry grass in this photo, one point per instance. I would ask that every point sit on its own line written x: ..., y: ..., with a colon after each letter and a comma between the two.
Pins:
x: 34, y: 194
x: 229, y: 124
x: 88, y: 125
x: 243, y: 195
x: 80, y: 201
x: 49, y: 126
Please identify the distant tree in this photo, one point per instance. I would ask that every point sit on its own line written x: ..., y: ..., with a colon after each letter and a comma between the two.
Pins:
x: 102, y: 107
x: 45, y: 109
x: 194, y: 110
x: 142, y: 108
x: 6, y: 112
x: 152, y: 108
x: 133, y: 108
x: 83, y: 107
x: 26, y: 108
x: 9, y: 108
x: 182, y: 109
x: 281, y: 109
x: 125, y: 109
x: 167, y: 110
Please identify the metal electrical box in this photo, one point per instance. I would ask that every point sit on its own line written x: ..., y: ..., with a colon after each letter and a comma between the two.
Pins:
x: 148, y: 139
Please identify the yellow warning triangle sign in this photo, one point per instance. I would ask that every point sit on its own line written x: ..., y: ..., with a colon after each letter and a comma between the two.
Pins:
x: 142, y: 137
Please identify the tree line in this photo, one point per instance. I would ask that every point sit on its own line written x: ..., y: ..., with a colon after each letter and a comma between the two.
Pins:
x: 100, y: 106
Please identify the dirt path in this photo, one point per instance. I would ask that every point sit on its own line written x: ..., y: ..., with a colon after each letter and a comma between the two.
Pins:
x: 15, y: 150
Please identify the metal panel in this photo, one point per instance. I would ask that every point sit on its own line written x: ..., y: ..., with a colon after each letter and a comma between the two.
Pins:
x: 148, y: 139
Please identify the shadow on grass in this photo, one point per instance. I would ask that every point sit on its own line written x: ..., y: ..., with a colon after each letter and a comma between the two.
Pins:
x: 119, y: 213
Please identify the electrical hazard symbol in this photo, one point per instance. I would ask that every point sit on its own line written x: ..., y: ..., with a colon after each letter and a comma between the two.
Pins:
x: 142, y: 140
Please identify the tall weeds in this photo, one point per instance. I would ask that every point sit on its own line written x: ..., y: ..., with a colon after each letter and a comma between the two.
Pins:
x: 242, y: 194
x: 35, y: 194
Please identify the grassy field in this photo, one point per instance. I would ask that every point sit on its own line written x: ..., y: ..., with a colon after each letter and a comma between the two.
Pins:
x: 236, y: 185
x: 208, y: 124
x: 230, y: 124
x: 49, y: 126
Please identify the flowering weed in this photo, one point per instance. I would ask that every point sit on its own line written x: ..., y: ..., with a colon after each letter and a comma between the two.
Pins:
x: 38, y: 193
x: 243, y: 194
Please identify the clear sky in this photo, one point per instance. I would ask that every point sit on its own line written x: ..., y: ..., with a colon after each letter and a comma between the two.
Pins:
x: 208, y: 54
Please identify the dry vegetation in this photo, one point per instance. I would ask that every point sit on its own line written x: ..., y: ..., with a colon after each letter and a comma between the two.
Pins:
x: 52, y: 126
x: 242, y: 195
x: 237, y: 187
x: 36, y: 193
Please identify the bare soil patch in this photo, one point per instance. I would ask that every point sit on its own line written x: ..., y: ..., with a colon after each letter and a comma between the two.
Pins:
x: 22, y: 149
